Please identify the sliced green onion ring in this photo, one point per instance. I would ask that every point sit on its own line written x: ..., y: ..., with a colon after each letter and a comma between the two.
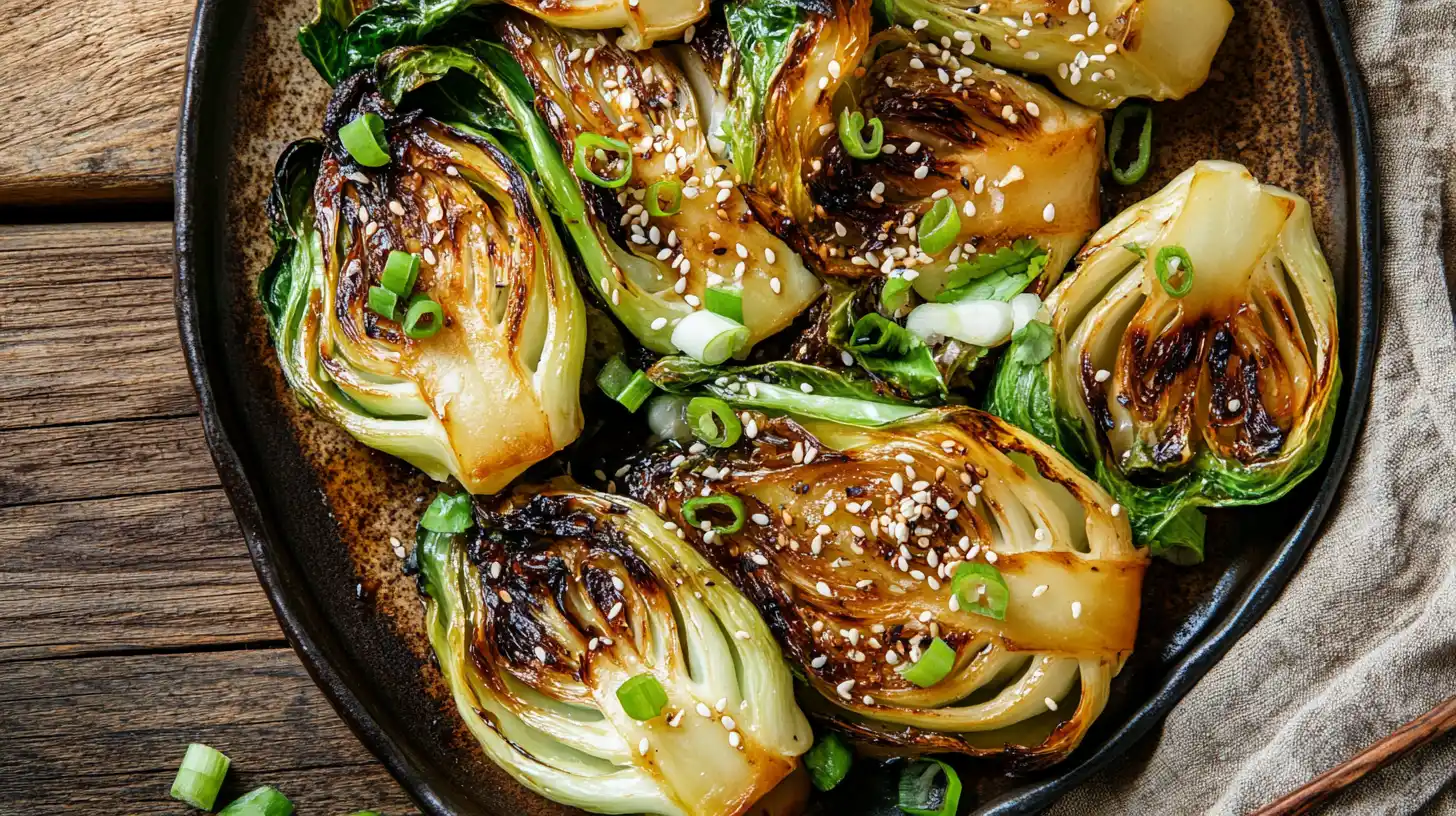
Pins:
x: 708, y: 337
x: 940, y: 227
x: 934, y: 664
x: 620, y: 382
x: 364, y: 139
x: 981, y: 589
x: 724, y: 301
x: 264, y: 801
x: 401, y: 270
x: 713, y: 421
x: 383, y: 302
x: 1167, y: 270
x: 674, y: 190
x: 589, y: 143
x: 642, y: 697
x: 851, y: 134
x: 200, y: 777
x: 920, y: 795
x: 424, y: 318
x: 828, y: 760
x: 449, y: 514
x: 1139, y: 167
x: 697, y: 504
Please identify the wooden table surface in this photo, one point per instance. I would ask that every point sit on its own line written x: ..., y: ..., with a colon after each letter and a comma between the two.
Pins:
x: 131, y: 622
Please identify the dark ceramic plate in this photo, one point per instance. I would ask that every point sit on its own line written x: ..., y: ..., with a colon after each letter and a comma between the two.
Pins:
x: 318, y: 510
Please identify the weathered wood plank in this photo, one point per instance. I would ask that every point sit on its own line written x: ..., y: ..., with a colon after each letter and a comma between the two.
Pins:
x: 168, y: 571
x: 87, y: 327
x: 90, y: 96
x: 105, y: 735
x: 106, y: 459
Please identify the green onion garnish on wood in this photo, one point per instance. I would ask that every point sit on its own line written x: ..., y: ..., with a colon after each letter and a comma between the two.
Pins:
x: 200, y: 777
x: 264, y: 801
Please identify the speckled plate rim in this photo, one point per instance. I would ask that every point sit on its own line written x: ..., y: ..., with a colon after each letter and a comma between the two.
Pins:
x: 209, y: 101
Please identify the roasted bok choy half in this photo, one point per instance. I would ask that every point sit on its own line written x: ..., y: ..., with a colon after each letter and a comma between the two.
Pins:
x: 347, y: 35
x: 1096, y: 52
x: 419, y: 295
x: 943, y: 583
x: 601, y: 661
x: 1195, y: 354
x: 668, y: 238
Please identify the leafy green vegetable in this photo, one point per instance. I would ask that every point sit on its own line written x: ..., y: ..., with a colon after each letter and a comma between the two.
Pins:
x: 999, y: 275
x: 761, y: 32
x: 785, y: 387
x: 347, y: 35
x: 1033, y: 343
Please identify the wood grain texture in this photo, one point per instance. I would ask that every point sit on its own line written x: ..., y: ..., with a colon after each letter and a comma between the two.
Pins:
x: 127, y: 574
x: 105, y: 735
x: 90, y: 97
x: 95, y: 337
x: 1435, y: 723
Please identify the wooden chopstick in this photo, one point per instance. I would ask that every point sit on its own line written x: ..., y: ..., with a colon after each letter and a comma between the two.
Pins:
x: 1423, y: 729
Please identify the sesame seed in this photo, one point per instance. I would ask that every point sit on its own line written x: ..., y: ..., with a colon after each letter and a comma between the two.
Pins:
x: 824, y: 589
x: 721, y: 705
x: 540, y: 654
x: 704, y: 711
x: 659, y: 323
x: 818, y: 662
x: 1049, y: 213
x: 644, y: 746
x: 1040, y: 588
x: 734, y: 739
x: 1076, y: 609
x: 844, y: 688
x: 616, y: 610
x: 1102, y: 375
x: 924, y: 170
x: 1050, y: 703
x: 1116, y: 510
x: 1234, y: 405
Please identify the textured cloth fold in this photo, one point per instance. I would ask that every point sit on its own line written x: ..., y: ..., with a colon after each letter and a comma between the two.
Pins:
x: 1364, y: 637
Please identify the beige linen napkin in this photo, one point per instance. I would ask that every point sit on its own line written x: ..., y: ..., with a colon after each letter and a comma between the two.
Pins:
x: 1364, y: 637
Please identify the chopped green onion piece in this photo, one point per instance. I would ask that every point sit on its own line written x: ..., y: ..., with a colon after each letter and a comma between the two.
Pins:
x: 940, y: 227
x: 724, y: 301
x: 921, y: 796
x: 1139, y: 167
x: 693, y: 506
x: 618, y: 381
x: 364, y: 139
x: 588, y: 144
x: 713, y: 421
x: 981, y: 589
x: 828, y: 761
x: 1167, y: 270
x: 383, y: 302
x: 264, y: 801
x: 424, y: 318
x: 642, y: 697
x: 200, y: 777
x: 401, y: 270
x: 934, y: 664
x: 674, y: 190
x: 851, y: 134
x: 895, y: 294
x: 709, y: 338
x: 448, y: 514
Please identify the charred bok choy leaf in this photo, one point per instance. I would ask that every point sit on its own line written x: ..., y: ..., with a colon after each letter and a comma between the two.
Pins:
x: 603, y: 663
x: 947, y: 583
x: 347, y: 35
x: 665, y: 231
x: 1096, y: 53
x: 1195, y: 354
x: 427, y: 305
